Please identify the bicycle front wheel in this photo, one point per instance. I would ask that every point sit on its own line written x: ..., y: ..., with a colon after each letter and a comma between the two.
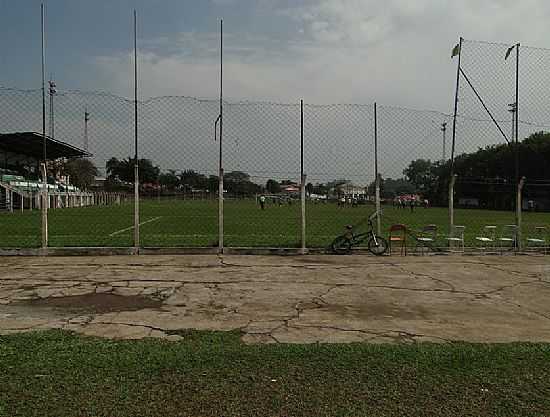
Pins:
x: 341, y: 245
x: 378, y: 246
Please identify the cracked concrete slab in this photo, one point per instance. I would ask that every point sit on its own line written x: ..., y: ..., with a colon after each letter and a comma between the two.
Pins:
x: 301, y: 299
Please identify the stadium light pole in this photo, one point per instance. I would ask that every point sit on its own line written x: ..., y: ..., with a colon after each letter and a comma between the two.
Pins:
x: 86, y: 120
x: 52, y: 92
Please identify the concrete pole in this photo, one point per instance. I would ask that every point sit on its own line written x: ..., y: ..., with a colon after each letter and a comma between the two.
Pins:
x: 303, y: 198
x: 518, y: 210
x: 378, y: 207
x: 45, y: 203
x: 376, y: 174
x: 452, y: 203
x: 136, y: 206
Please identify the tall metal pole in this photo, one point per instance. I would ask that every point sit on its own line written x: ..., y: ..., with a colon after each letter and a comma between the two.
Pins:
x: 136, y: 162
x: 220, y: 168
x: 376, y: 175
x: 44, y: 156
x: 452, y: 178
x: 302, y: 178
x: 518, y: 189
x: 456, y: 106
x: 444, y: 130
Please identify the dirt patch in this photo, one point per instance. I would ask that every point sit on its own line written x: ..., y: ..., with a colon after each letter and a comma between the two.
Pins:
x: 378, y: 311
x: 96, y: 303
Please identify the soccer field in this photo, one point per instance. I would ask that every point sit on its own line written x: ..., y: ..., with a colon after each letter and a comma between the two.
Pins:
x: 171, y: 223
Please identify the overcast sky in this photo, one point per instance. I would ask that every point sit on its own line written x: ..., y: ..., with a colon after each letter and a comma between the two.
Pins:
x: 395, y: 51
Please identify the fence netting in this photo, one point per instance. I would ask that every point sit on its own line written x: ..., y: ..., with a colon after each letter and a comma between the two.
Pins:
x: 19, y: 228
x: 435, y: 172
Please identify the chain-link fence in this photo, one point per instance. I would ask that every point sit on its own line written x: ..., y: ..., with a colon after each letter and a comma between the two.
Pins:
x: 294, y: 176
x: 502, y: 149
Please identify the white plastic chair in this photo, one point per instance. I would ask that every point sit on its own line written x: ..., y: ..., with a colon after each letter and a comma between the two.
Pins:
x: 487, y: 238
x: 428, y: 235
x: 509, y: 235
x: 457, y: 237
x: 538, y: 239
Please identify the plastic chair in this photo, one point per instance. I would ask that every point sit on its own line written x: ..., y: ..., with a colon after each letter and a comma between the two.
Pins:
x: 538, y: 239
x: 457, y: 236
x: 509, y: 235
x: 428, y: 235
x: 398, y: 233
x: 487, y: 238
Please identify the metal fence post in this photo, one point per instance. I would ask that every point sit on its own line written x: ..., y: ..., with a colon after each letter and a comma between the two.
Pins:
x: 302, y: 179
x: 303, y: 217
x: 220, y: 170
x: 452, y: 203
x: 136, y: 206
x: 518, y: 210
x: 44, y: 208
x: 376, y: 175
x: 136, y: 161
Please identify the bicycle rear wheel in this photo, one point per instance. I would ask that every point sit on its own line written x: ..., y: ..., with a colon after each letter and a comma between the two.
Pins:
x: 379, y: 246
x: 341, y: 245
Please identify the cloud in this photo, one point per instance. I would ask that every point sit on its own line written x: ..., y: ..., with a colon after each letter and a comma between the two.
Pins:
x: 395, y: 52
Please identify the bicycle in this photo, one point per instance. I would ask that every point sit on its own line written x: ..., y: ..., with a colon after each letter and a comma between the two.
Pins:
x: 376, y: 245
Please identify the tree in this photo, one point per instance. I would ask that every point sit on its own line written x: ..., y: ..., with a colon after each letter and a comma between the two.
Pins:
x: 169, y: 180
x: 273, y: 187
x: 390, y: 188
x: 236, y: 176
x: 212, y: 183
x: 238, y: 182
x: 371, y: 189
x: 81, y: 171
x: 123, y: 170
x: 120, y: 170
x: 192, y: 180
x: 420, y: 174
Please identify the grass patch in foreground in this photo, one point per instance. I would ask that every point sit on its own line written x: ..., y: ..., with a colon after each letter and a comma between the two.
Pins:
x: 212, y: 374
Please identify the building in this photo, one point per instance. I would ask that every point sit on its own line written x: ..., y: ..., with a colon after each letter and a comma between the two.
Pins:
x: 20, y: 174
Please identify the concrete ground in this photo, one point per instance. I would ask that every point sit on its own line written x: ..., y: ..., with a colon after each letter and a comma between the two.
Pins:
x: 282, y: 299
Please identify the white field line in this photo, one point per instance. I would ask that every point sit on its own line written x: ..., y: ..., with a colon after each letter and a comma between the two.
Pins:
x: 131, y: 227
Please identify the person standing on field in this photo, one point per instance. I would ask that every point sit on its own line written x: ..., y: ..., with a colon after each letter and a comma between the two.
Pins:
x: 262, y: 202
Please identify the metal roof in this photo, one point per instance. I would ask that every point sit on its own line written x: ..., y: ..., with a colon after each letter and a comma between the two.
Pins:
x: 30, y: 144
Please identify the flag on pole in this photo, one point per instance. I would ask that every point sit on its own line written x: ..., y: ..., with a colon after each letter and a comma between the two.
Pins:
x: 456, y: 51
x: 509, y: 51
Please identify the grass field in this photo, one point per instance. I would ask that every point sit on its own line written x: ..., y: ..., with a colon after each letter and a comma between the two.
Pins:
x: 214, y: 374
x: 194, y: 223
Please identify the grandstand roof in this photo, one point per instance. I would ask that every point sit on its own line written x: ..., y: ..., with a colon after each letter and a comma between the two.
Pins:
x: 30, y: 144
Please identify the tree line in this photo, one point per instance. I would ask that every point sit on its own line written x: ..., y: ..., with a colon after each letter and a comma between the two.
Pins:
x: 487, y: 174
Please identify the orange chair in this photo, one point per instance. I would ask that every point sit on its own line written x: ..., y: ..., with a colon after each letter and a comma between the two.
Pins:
x: 398, y: 233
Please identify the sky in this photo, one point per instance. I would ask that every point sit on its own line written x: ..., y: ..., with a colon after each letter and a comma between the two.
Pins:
x: 326, y: 52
